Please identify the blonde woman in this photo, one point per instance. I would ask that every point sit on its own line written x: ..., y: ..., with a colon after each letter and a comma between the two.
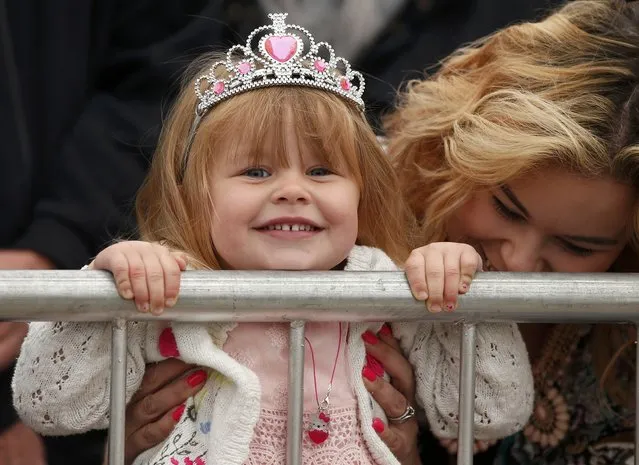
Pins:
x: 526, y: 146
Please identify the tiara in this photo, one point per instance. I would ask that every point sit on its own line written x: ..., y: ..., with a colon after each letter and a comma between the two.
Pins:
x: 279, y: 54
x: 276, y: 55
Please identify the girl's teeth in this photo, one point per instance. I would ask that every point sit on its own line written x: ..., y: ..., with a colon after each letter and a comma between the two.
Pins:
x: 290, y: 227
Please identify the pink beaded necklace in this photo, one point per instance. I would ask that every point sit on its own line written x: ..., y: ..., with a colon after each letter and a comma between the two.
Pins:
x: 318, y: 429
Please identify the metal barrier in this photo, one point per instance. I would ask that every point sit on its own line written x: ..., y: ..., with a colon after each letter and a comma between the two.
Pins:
x: 261, y: 296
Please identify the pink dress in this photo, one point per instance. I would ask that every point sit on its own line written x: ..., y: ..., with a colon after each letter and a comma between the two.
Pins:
x: 263, y: 347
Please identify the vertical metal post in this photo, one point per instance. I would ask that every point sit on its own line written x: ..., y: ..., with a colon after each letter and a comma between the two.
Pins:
x: 295, y: 394
x: 466, y: 396
x: 118, y: 392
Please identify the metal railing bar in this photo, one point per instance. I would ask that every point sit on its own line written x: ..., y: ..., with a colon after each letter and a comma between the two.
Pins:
x: 465, y: 438
x: 324, y: 296
x: 118, y: 392
x: 295, y: 394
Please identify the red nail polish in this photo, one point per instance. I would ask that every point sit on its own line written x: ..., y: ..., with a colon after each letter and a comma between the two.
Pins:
x: 450, y: 307
x: 167, y: 344
x: 378, y: 425
x: 374, y: 365
x: 386, y: 330
x: 177, y: 413
x: 195, y: 378
x: 369, y: 374
x: 370, y: 338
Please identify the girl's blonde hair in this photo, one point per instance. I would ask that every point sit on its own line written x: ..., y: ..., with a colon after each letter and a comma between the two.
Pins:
x: 563, y: 91
x: 174, y: 207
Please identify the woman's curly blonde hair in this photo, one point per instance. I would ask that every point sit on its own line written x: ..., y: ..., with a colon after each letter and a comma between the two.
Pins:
x: 563, y: 91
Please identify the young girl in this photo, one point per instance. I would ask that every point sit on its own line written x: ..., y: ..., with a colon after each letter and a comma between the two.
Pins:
x: 271, y: 165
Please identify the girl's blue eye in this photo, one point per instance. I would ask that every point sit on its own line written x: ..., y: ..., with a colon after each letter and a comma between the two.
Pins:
x: 319, y: 171
x: 256, y: 173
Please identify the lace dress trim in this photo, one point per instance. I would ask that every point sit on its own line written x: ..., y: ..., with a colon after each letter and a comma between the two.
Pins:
x: 344, y: 446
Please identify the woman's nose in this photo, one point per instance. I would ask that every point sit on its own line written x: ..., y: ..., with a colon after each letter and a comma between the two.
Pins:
x: 523, y: 254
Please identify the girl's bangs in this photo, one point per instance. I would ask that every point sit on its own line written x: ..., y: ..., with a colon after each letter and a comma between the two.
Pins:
x: 254, y: 124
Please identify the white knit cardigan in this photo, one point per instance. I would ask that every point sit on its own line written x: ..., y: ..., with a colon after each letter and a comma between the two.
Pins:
x: 62, y: 379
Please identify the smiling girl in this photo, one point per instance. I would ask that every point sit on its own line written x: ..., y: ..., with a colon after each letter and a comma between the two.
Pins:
x: 270, y: 165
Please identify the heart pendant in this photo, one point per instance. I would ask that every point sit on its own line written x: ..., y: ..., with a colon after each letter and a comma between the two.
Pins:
x: 318, y: 428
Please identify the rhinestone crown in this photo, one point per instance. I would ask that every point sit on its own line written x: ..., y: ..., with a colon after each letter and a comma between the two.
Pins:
x: 279, y: 54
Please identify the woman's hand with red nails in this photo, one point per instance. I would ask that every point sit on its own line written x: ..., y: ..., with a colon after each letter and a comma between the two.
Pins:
x: 383, y: 353
x: 159, y: 404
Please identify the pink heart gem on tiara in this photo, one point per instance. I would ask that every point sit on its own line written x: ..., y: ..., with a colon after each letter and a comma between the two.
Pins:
x: 218, y: 87
x: 244, y: 67
x: 320, y: 65
x: 281, y: 48
x: 345, y: 84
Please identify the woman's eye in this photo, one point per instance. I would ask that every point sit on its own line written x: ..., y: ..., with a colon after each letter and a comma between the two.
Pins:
x: 319, y: 171
x: 256, y: 173
x: 506, y: 212
x: 575, y: 249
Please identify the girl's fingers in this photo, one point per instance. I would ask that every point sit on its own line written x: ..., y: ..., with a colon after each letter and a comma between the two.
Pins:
x: 416, y: 275
x: 470, y: 263
x: 172, y: 275
x: 181, y: 259
x: 137, y: 276
x: 452, y: 278
x: 148, y: 273
x: 435, y: 275
x: 116, y: 261
x: 154, y: 279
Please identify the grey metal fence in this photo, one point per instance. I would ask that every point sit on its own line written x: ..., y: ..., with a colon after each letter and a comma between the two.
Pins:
x: 294, y: 297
